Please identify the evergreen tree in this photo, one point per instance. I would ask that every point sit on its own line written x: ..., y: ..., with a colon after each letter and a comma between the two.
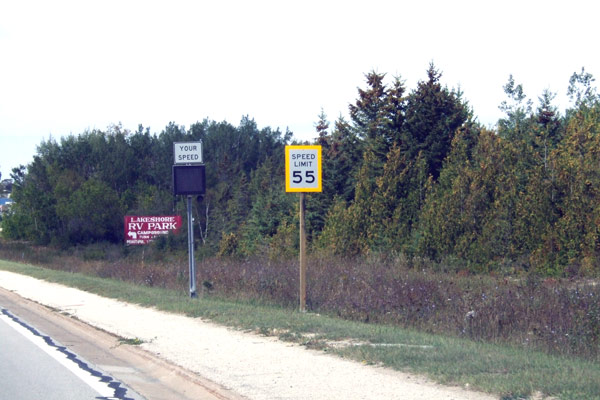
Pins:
x: 389, y: 223
x: 581, y: 92
x: 342, y: 161
x: 575, y: 238
x: 317, y: 204
x: 548, y: 127
x: 367, y: 112
x: 517, y: 109
x: 446, y: 223
x: 369, y: 119
x: 433, y: 114
x: 347, y: 227
x: 323, y: 136
x: 271, y: 205
x: 337, y: 235
x: 395, y: 113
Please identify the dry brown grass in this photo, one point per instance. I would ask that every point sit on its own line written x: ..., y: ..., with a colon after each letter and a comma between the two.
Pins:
x: 556, y: 315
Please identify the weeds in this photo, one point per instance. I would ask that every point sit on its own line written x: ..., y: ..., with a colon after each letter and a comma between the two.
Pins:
x: 131, y: 341
x: 513, y: 372
x: 554, y: 315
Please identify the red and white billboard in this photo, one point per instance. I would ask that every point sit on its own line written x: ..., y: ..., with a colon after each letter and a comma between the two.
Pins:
x: 144, y: 229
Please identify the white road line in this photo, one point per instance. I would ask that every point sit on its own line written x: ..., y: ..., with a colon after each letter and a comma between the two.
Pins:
x: 101, y: 387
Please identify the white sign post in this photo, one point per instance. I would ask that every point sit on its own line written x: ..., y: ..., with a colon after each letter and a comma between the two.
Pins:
x: 303, y: 174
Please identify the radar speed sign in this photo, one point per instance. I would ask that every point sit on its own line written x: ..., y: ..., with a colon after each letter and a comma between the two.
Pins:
x: 303, y: 169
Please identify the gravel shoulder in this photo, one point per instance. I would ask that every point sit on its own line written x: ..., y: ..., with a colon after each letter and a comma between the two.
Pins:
x: 253, y: 366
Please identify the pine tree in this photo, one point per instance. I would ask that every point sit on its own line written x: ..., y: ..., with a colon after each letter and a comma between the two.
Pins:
x: 433, y: 114
x: 369, y: 120
x: 322, y: 128
x: 547, y: 128
x: 342, y: 161
x: 317, y: 204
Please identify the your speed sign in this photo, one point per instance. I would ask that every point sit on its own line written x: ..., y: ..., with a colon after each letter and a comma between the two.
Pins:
x: 303, y: 169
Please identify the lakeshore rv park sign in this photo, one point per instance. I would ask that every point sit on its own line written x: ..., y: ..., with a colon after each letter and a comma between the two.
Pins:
x: 144, y: 229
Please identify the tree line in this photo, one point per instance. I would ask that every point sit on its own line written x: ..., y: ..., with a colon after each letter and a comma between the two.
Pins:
x: 411, y: 172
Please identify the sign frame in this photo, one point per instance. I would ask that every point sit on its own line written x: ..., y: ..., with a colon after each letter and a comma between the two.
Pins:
x: 310, y: 176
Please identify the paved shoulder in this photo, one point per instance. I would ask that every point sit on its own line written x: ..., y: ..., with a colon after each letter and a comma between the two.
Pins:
x: 96, y: 352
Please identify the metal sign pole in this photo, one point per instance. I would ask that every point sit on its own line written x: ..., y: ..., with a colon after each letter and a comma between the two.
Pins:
x: 189, y: 179
x: 191, y: 248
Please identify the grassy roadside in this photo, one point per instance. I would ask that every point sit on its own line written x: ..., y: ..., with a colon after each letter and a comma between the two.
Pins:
x: 509, y: 372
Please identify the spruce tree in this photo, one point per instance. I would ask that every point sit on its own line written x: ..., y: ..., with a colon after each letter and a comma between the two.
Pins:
x: 369, y: 120
x: 433, y: 114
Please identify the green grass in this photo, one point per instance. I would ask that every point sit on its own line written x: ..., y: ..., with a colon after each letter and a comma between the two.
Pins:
x: 508, y: 372
x: 131, y: 342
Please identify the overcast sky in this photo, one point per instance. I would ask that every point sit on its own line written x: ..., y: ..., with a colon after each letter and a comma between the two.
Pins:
x: 69, y: 66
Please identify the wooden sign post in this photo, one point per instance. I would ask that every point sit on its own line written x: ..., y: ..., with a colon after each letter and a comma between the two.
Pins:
x: 302, y: 256
x: 303, y: 174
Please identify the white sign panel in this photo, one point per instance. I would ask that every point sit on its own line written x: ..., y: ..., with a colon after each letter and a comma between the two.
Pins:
x: 303, y: 169
x: 188, y: 152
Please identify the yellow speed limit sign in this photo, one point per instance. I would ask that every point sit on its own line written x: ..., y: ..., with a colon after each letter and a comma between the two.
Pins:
x: 303, y: 169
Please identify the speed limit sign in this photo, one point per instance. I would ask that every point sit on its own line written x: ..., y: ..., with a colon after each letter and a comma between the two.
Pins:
x: 303, y: 169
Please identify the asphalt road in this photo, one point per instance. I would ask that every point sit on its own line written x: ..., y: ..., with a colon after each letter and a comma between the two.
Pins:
x: 47, y: 355
x: 34, y: 366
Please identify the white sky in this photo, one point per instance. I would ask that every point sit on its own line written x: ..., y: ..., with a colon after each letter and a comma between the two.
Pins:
x: 68, y: 66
